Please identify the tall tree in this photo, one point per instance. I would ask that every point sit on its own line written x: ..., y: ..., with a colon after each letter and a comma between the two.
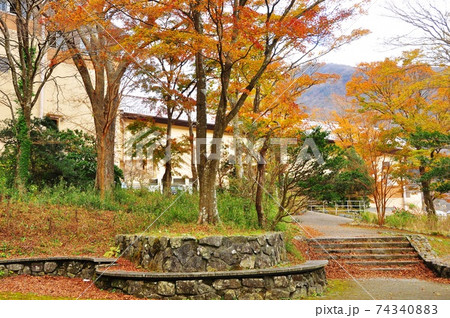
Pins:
x: 103, y: 41
x: 166, y: 74
x: 371, y: 139
x: 31, y: 53
x: 312, y: 164
x: 229, y: 34
x: 274, y: 113
x: 412, y: 97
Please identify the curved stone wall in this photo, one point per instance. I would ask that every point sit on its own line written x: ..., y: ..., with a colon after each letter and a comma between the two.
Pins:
x: 270, y: 283
x: 213, y: 253
x: 83, y: 267
x: 275, y: 283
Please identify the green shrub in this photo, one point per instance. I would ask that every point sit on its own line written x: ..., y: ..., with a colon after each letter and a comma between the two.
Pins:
x: 56, y: 156
x: 400, y: 218
x: 237, y: 211
x: 113, y: 252
x: 368, y: 217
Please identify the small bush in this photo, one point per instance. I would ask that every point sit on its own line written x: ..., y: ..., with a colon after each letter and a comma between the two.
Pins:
x: 368, y: 217
x: 113, y: 252
x: 56, y: 156
x: 400, y: 218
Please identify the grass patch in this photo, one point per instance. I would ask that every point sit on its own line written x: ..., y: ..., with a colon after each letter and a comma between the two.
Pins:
x: 405, y: 220
x: 436, y: 229
x: 290, y: 231
x: 368, y: 217
x: 199, y: 231
x: 236, y: 212
x: 334, y: 290
x: 441, y: 245
x: 28, y: 296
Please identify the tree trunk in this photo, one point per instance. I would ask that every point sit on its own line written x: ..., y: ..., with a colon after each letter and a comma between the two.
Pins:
x: 378, y: 199
x: 24, y: 150
x: 167, y: 177
x: 260, y: 183
x: 206, y: 169
x: 238, y: 149
x: 382, y: 215
x: 428, y: 198
x: 208, y: 213
x: 192, y: 147
x: 104, y: 180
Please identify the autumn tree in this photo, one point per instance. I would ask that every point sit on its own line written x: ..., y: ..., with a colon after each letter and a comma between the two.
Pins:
x: 149, y: 143
x: 229, y: 34
x: 274, y: 113
x: 165, y: 74
x: 412, y: 98
x: 370, y: 137
x: 30, y: 54
x: 103, y: 41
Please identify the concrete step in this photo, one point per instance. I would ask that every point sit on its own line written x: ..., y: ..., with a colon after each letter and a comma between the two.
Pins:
x: 388, y: 269
x: 358, y: 239
x: 384, y: 263
x: 371, y: 256
x: 366, y: 250
x: 362, y: 245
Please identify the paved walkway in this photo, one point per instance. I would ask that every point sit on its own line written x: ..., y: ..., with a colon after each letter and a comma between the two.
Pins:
x: 330, y: 225
x: 378, y: 288
x: 387, y: 288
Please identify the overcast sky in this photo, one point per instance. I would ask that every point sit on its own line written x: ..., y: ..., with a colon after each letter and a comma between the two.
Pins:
x: 372, y: 47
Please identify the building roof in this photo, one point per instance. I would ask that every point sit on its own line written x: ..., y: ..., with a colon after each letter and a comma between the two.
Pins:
x: 138, y: 107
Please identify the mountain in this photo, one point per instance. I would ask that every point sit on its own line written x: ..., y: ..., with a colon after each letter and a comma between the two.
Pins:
x: 321, y: 96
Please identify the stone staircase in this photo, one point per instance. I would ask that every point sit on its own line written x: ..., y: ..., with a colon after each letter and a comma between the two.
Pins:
x: 392, y: 253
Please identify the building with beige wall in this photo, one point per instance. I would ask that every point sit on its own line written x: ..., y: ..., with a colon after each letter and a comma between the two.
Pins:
x: 63, y: 97
x: 140, y: 170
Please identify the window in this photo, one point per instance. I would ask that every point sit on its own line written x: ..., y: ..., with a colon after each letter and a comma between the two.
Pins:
x: 4, y: 5
x: 178, y: 181
x: 7, y: 6
x: 56, y: 119
x: 4, y: 66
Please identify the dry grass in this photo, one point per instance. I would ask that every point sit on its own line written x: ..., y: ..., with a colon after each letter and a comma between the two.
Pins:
x: 33, y: 230
x: 440, y: 244
x: 42, y: 230
x: 433, y: 226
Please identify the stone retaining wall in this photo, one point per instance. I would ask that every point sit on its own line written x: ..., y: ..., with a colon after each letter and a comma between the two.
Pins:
x: 275, y: 283
x: 214, y: 253
x: 83, y: 267
x: 426, y: 253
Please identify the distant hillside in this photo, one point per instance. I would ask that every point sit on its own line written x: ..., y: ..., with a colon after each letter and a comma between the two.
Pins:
x: 321, y: 96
